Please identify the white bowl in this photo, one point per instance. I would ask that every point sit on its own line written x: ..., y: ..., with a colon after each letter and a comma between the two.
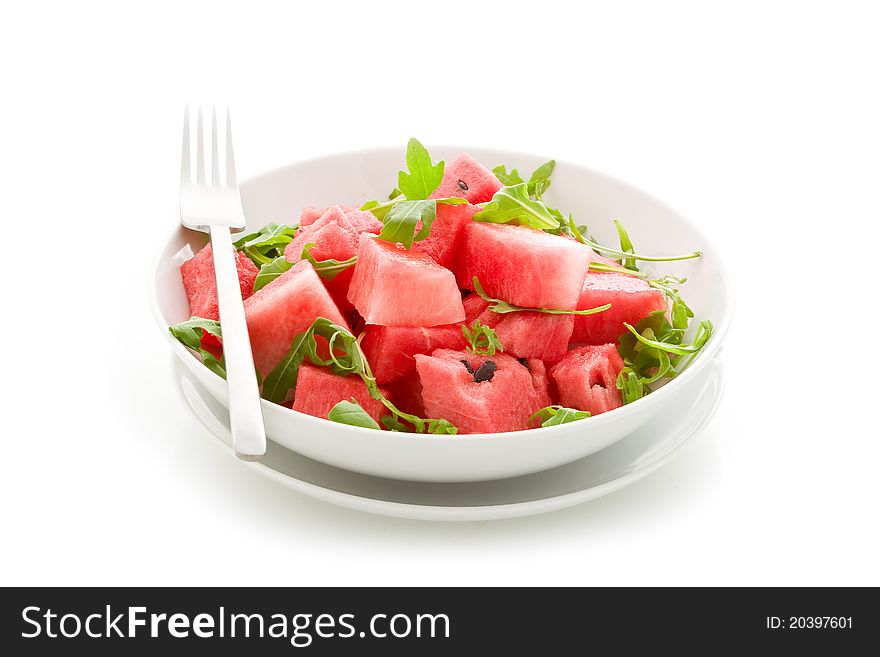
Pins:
x: 353, y: 177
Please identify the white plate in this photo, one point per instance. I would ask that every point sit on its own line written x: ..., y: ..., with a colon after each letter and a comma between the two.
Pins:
x: 352, y: 177
x: 604, y: 472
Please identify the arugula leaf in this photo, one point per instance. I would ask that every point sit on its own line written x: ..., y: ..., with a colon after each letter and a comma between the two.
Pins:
x: 401, y: 222
x: 507, y: 178
x: 267, y: 243
x: 512, y: 205
x: 393, y: 424
x: 346, y: 357
x: 553, y: 415
x: 380, y: 209
x: 576, y: 232
x: 271, y: 270
x: 404, y: 218
x: 330, y: 268
x: 626, y: 246
x: 424, y: 177
x: 190, y: 334
x: 481, y: 339
x: 353, y: 414
x: 502, y: 307
x: 539, y: 182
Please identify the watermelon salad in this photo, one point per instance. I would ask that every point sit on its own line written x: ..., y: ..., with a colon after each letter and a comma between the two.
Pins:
x: 465, y: 303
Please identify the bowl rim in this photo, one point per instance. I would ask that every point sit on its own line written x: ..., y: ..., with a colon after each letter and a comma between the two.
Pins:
x: 710, y: 350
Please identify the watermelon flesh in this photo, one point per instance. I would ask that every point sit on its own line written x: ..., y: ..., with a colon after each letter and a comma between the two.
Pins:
x: 283, y: 309
x: 201, y: 286
x: 447, y: 233
x: 586, y: 378
x: 631, y: 299
x: 310, y: 215
x: 335, y: 236
x: 390, y: 349
x: 523, y: 334
x: 318, y: 390
x: 506, y: 402
x: 466, y: 178
x: 394, y: 286
x: 523, y: 266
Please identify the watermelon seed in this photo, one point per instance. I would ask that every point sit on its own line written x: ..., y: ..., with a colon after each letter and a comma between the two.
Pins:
x: 485, y: 372
x: 524, y: 363
x: 462, y: 185
x: 468, y: 366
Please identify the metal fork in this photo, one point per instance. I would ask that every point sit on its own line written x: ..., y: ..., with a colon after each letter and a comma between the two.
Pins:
x: 215, y: 208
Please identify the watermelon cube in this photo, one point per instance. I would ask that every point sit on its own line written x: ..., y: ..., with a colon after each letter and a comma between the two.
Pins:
x: 407, y: 394
x: 201, y: 287
x: 310, y: 215
x: 283, y: 309
x: 631, y: 299
x: 335, y: 236
x: 394, y: 286
x: 481, y: 394
x: 587, y: 378
x: 318, y: 390
x: 523, y: 334
x: 523, y: 266
x: 390, y: 349
x: 447, y: 232
x: 466, y: 178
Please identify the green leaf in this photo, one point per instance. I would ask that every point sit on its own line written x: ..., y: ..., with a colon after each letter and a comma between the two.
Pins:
x: 267, y: 243
x: 423, y: 177
x: 539, y: 182
x: 190, y: 334
x: 553, y: 415
x: 626, y: 246
x: 330, y: 268
x: 380, y: 209
x: 270, y: 271
x: 481, y: 339
x: 353, y: 414
x: 502, y: 307
x: 507, y: 178
x: 393, y: 424
x: 512, y: 205
x: 403, y: 221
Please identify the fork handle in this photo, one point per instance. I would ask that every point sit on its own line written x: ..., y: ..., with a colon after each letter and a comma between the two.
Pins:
x: 245, y: 414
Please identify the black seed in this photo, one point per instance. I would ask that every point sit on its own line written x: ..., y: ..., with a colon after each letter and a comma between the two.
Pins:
x: 468, y: 366
x: 485, y: 372
x: 462, y: 185
x: 524, y: 363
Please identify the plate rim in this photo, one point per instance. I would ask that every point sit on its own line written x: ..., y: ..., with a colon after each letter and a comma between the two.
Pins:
x: 716, y: 380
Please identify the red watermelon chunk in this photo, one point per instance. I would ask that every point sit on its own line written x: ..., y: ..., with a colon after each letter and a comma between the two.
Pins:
x: 447, y: 233
x: 201, y: 286
x: 335, y: 236
x: 390, y: 349
x: 523, y: 334
x: 523, y: 266
x: 310, y: 215
x: 631, y: 299
x: 587, y: 378
x: 286, y: 307
x: 504, y: 403
x: 393, y: 286
x: 466, y: 178
x: 318, y: 390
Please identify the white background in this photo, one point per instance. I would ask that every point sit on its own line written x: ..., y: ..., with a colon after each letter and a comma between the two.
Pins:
x: 760, y: 121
